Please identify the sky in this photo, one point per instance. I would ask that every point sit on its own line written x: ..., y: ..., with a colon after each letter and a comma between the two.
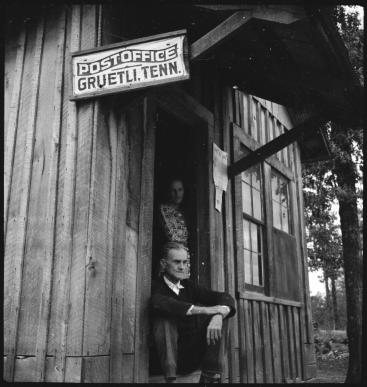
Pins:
x: 315, y: 284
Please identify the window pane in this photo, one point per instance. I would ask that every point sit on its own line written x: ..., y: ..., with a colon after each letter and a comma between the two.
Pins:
x: 259, y: 239
x: 253, y: 237
x: 263, y: 127
x: 247, y: 255
x: 246, y: 198
x: 277, y: 134
x: 285, y: 219
x: 246, y: 234
x: 256, y: 176
x: 276, y: 215
x: 284, y: 192
x: 254, y: 120
x: 245, y: 112
x: 271, y: 128
x: 274, y: 187
x: 257, y: 204
x: 246, y: 176
x: 285, y: 154
x: 255, y: 269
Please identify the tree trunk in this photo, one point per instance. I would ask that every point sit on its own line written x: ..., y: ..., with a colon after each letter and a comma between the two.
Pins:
x: 344, y: 169
x: 335, y: 303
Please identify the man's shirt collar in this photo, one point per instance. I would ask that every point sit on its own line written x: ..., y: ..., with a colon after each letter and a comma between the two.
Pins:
x: 175, y: 287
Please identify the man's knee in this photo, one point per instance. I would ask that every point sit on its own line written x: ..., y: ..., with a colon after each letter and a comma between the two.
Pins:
x: 163, y: 329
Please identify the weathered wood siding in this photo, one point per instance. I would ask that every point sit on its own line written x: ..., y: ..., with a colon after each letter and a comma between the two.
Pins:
x: 73, y: 210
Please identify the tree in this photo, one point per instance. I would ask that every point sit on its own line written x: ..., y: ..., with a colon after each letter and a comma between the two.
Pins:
x: 341, y: 177
x: 323, y: 235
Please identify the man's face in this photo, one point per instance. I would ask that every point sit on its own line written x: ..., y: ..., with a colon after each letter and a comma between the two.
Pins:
x: 175, y: 265
x: 176, y: 192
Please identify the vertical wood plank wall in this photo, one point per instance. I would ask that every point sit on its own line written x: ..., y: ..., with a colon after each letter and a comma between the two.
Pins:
x: 71, y: 170
x: 78, y: 189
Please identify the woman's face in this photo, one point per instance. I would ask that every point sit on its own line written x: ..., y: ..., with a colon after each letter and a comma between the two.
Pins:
x: 176, y: 192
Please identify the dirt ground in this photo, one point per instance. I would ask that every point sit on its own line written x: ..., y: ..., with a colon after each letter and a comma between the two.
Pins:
x: 332, y: 370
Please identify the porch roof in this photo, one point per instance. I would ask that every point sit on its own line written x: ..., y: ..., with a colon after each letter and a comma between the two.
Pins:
x: 291, y: 55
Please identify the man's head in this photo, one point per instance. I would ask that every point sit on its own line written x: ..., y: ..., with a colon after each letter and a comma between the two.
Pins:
x: 174, y: 261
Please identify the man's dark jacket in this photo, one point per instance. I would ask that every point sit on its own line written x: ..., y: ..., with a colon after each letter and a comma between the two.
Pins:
x: 165, y: 302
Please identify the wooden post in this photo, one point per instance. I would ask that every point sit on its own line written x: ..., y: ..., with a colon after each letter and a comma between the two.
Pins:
x: 24, y: 201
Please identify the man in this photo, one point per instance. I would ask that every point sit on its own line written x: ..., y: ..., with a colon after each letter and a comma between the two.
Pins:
x: 174, y: 302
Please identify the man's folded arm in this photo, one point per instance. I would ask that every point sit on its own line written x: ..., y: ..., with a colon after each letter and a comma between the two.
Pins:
x: 167, y: 305
x: 209, y: 297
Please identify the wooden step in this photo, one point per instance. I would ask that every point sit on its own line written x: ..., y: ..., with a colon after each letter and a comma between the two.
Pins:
x: 191, y: 378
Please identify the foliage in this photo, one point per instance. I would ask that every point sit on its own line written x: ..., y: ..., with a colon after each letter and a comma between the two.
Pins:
x: 352, y: 34
x: 324, y: 316
x: 323, y: 235
x: 340, y: 179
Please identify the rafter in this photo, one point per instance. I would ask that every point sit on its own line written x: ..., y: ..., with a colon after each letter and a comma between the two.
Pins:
x: 219, y: 35
x: 276, y: 145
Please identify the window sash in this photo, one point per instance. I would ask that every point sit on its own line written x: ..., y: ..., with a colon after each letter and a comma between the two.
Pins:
x: 280, y: 202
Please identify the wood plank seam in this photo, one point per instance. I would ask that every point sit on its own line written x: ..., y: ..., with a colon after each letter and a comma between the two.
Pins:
x: 116, y: 361
x: 24, y: 203
x: 94, y: 34
x: 144, y: 246
x: 45, y: 302
x: 68, y: 213
x: 228, y: 234
x: 12, y: 123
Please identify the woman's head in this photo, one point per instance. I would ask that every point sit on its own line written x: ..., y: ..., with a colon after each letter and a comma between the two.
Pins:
x: 175, y: 191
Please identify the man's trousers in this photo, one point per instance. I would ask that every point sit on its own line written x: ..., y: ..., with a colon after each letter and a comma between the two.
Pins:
x: 183, y: 355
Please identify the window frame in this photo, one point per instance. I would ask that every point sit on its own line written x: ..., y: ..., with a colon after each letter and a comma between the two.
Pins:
x: 241, y: 138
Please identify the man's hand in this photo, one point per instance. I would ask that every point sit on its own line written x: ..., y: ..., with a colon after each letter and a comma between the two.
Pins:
x: 214, y: 331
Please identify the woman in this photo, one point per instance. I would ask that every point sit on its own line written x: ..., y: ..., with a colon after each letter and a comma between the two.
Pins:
x: 172, y: 216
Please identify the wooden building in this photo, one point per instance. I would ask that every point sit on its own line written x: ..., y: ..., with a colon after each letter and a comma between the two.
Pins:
x: 81, y: 179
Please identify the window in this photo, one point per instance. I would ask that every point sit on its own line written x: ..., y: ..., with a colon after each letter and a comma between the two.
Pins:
x: 251, y: 192
x: 253, y: 253
x: 252, y: 208
x: 280, y: 199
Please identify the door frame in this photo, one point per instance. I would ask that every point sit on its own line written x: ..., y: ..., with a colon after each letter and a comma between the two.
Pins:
x: 182, y: 106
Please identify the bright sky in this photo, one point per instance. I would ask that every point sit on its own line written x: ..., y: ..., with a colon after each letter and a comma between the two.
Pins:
x: 315, y: 284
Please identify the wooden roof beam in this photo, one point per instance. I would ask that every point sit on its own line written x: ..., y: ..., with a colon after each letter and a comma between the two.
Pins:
x: 278, y: 13
x: 276, y: 145
x: 219, y: 35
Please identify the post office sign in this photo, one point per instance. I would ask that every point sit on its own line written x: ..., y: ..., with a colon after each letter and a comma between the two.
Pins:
x: 129, y: 65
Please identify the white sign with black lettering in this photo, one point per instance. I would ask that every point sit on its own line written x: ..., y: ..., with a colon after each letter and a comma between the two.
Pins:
x: 135, y: 64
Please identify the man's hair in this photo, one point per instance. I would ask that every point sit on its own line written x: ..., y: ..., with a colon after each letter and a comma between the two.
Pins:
x: 171, y: 246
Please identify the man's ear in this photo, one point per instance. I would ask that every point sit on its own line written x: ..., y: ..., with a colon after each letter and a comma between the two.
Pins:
x: 163, y: 263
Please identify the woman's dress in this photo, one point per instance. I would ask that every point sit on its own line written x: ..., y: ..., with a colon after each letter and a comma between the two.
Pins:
x: 174, y: 228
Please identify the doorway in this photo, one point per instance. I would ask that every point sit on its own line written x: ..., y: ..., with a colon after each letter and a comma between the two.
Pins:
x: 174, y: 157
